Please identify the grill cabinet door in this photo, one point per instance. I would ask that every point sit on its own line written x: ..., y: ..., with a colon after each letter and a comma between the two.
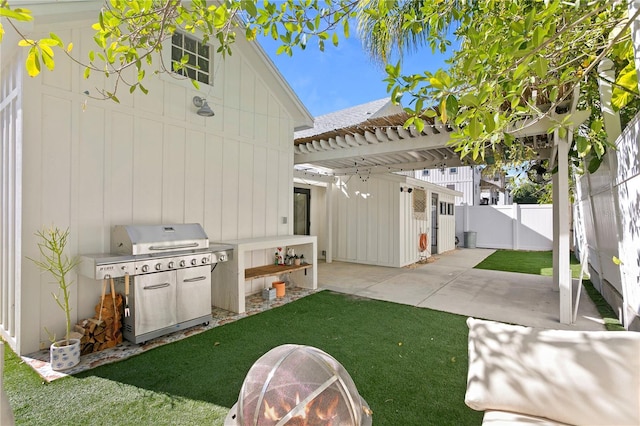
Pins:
x: 155, y: 301
x: 194, y: 293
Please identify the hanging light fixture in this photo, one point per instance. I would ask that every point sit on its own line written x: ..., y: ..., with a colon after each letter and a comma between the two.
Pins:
x: 203, y: 107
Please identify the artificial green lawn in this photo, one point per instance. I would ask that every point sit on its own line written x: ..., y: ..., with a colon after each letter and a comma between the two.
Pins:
x: 409, y: 364
x: 526, y: 262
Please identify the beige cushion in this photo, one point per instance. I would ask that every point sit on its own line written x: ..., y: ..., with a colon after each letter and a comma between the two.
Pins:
x: 574, y: 377
x: 505, y: 418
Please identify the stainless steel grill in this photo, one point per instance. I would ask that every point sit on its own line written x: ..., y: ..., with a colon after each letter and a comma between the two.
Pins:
x: 169, y: 270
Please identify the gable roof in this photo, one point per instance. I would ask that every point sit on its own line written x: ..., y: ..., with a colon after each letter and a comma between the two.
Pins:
x: 69, y: 13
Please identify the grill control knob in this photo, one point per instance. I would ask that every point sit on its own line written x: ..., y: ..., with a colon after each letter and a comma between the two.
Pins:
x: 171, y: 264
x: 194, y: 262
x: 205, y: 260
x: 158, y: 266
x: 145, y: 268
x: 182, y: 263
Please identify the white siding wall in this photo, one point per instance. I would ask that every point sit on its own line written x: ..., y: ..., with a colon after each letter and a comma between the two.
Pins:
x: 366, y: 221
x: 10, y: 184
x: 149, y: 159
x: 466, y: 179
x: 374, y: 222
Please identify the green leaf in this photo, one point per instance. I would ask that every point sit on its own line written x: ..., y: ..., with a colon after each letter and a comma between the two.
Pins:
x: 541, y: 67
x: 508, y: 139
x: 436, y: 83
x: 469, y: 99
x: 57, y: 39
x: 33, y: 62
x: 429, y: 113
x: 474, y: 128
x: 596, y: 125
x: 451, y: 106
x: 335, y: 39
x: 538, y: 36
x: 443, y: 110
x: 17, y: 14
x: 594, y: 164
x: 626, y: 87
x: 409, y: 122
x: 520, y: 70
x: 250, y: 7
x: 49, y: 42
x: 489, y: 123
x: 582, y: 145
x: 47, y: 57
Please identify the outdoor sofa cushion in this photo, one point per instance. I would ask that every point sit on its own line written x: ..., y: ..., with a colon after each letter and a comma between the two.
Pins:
x: 505, y: 418
x: 573, y: 377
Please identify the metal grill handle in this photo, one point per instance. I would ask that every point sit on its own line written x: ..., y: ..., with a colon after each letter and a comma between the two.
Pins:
x: 174, y: 247
x: 190, y: 280
x: 157, y: 286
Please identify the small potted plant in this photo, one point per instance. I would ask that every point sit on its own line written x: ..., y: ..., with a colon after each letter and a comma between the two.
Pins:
x: 64, y: 353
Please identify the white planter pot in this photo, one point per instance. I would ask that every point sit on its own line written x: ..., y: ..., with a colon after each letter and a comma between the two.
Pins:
x: 67, y: 356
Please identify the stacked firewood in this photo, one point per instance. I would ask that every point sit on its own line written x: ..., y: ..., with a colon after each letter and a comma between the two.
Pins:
x: 104, y: 330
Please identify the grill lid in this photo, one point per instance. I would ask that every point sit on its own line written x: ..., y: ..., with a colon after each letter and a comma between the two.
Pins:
x: 157, y: 239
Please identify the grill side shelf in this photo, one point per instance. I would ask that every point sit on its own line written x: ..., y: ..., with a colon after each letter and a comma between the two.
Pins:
x: 270, y: 270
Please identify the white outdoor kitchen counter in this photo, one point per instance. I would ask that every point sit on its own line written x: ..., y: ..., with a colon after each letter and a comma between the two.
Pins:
x: 228, y: 279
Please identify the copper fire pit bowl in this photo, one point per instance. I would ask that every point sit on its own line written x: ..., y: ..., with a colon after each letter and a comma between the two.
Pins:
x: 298, y: 385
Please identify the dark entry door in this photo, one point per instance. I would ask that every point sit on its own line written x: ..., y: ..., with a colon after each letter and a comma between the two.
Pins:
x: 301, y: 211
x: 434, y: 223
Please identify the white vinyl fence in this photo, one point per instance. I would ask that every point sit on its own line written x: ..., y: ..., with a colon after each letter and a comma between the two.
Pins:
x: 608, y: 225
x: 515, y: 227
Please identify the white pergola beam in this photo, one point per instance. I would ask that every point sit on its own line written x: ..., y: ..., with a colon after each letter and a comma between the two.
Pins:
x: 539, y: 126
x: 385, y: 168
x: 414, y: 144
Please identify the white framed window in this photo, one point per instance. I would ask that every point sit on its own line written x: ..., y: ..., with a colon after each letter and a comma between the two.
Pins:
x: 425, y: 172
x: 453, y: 170
x: 199, y: 64
x: 451, y: 186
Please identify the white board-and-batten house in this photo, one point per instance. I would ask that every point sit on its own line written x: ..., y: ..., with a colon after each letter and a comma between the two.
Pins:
x: 87, y: 165
x: 356, y: 167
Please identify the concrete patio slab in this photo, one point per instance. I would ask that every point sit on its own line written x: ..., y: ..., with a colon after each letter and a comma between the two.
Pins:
x: 449, y: 283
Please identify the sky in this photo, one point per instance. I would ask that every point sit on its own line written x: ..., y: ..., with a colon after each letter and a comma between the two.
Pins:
x: 343, y: 76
